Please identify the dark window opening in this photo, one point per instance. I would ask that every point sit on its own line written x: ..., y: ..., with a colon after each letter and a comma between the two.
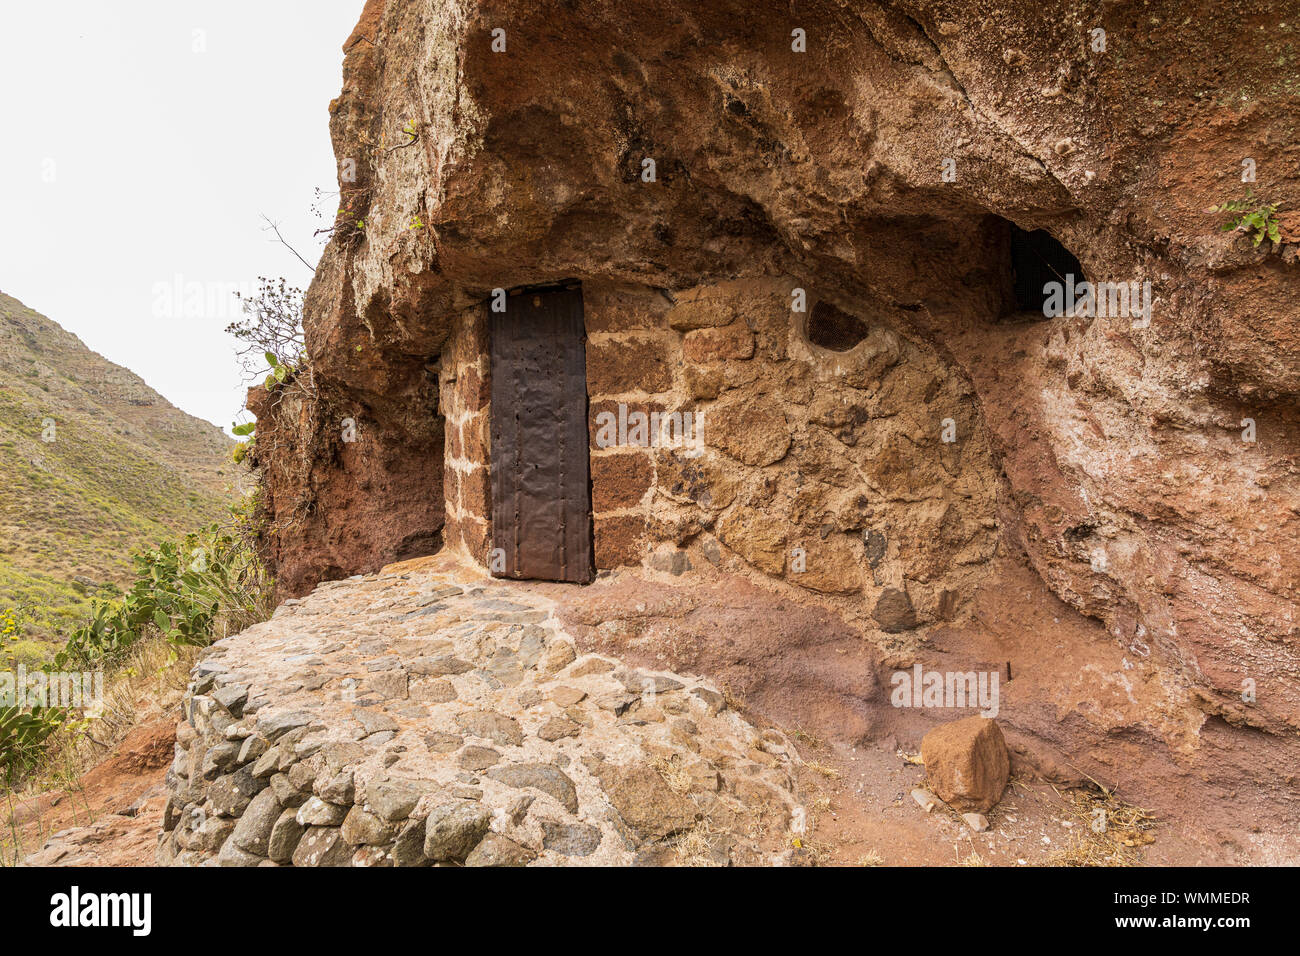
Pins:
x: 834, y: 329
x: 1036, y: 261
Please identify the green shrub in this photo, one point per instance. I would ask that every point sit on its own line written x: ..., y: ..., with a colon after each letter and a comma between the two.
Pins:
x: 23, y: 735
x: 29, y: 654
x: 190, y: 592
x: 184, y: 591
x: 1254, y: 218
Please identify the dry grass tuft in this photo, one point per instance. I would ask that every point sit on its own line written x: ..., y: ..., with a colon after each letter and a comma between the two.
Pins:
x: 804, y: 737
x: 155, y: 673
x: 675, y: 775
x: 696, y: 847
x: 734, y: 701
x: 830, y: 773
x: 1109, y: 830
x: 819, y: 852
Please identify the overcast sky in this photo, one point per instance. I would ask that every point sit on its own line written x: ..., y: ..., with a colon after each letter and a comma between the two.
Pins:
x: 140, y: 142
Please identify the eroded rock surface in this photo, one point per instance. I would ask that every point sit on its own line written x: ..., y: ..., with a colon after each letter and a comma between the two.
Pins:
x: 1147, y: 472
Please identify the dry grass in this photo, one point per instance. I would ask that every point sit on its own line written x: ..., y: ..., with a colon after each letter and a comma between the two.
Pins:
x: 1124, y: 828
x: 972, y: 859
x: 821, y: 853
x: 696, y: 847
x: 675, y: 775
x: 830, y: 773
x: 804, y: 737
x: 765, y: 824
x: 816, y: 804
x: 154, y: 674
x: 734, y: 701
x: 871, y: 858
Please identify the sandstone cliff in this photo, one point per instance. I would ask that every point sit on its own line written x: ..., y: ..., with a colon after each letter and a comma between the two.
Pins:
x: 1146, y: 471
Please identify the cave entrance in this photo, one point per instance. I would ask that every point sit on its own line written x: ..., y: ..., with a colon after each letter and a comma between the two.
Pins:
x: 541, y: 490
x: 1037, y: 262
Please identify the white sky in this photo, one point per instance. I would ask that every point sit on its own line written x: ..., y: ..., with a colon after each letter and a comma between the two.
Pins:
x: 131, y: 156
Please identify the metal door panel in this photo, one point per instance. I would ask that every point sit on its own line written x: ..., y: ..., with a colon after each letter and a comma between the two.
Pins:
x: 541, y: 493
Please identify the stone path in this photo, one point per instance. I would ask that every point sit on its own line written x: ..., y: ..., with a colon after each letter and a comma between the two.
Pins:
x: 428, y: 716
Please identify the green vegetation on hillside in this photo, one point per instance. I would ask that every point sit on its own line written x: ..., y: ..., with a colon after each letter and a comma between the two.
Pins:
x: 101, y: 570
x: 185, y: 593
x: 94, y: 465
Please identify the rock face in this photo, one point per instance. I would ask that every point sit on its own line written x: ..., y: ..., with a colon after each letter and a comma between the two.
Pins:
x: 340, y: 492
x: 966, y: 763
x: 798, y: 225
x: 354, y: 777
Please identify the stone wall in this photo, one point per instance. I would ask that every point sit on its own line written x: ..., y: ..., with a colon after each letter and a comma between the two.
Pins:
x: 465, y: 390
x: 405, y: 719
x: 720, y: 432
x: 631, y: 359
x: 827, y: 469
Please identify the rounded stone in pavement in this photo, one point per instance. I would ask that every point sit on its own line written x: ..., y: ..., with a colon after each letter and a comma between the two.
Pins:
x: 452, y: 830
x: 478, y: 758
x: 496, y: 850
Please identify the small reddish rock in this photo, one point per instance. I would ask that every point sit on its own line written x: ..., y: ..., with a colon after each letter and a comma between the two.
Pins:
x: 966, y: 763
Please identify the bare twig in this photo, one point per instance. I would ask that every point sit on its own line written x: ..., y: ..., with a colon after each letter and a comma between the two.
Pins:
x: 275, y: 227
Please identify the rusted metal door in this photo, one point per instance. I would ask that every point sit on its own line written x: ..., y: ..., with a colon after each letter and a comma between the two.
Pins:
x: 541, y: 493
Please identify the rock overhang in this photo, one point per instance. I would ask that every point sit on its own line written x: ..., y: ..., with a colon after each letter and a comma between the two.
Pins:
x: 826, y: 169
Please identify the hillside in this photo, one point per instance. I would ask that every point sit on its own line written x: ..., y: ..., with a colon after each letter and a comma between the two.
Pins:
x: 124, y: 468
